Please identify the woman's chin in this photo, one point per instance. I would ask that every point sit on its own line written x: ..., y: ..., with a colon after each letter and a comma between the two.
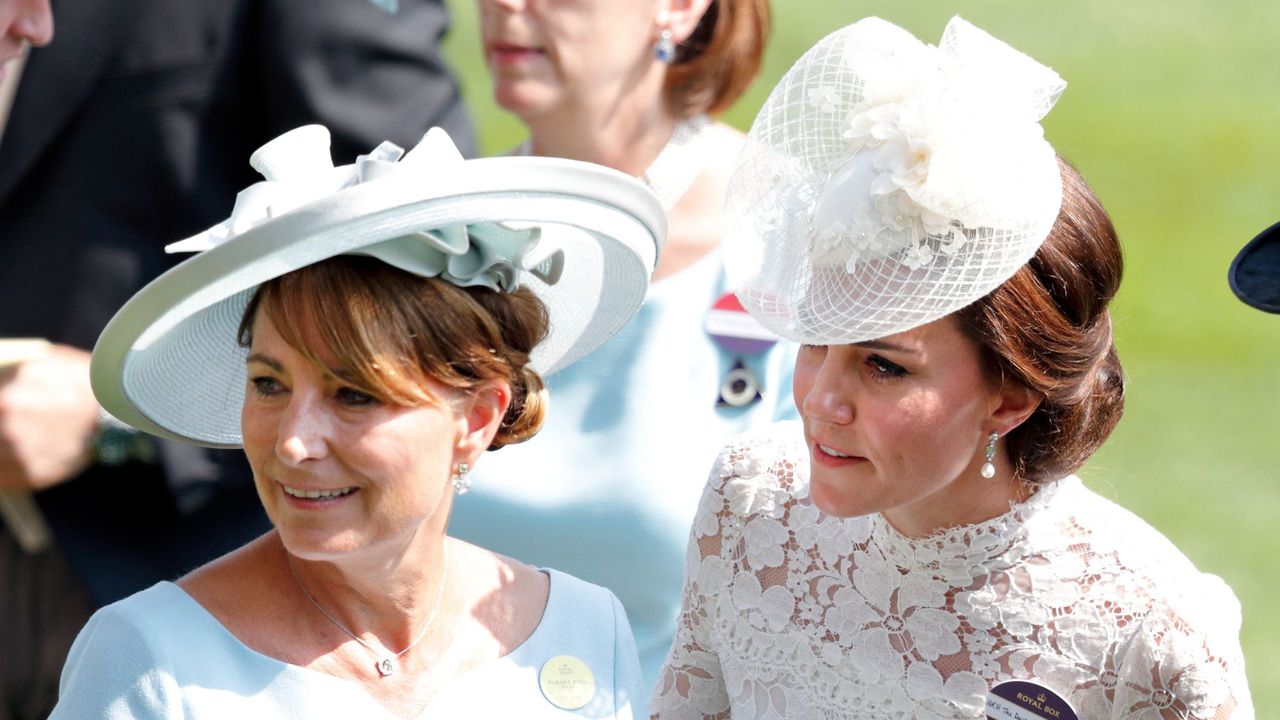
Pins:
x: 524, y: 98
x: 318, y: 547
x: 839, y: 498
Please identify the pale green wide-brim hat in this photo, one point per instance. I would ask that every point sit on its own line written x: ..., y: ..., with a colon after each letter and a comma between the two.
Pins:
x: 583, y: 237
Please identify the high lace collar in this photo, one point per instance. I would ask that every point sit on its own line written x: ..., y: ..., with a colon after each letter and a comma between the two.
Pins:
x: 976, y: 549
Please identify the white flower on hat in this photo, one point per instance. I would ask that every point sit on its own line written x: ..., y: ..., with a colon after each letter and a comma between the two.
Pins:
x: 887, y: 182
x: 926, y: 111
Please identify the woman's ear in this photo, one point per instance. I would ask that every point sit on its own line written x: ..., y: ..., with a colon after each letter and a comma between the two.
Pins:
x: 1012, y: 404
x: 480, y: 415
x: 681, y: 17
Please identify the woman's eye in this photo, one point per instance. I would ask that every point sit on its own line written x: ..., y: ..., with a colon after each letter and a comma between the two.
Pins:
x: 265, y: 386
x: 354, y: 398
x: 882, y: 368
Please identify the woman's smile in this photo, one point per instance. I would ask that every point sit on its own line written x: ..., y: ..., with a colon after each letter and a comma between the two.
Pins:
x: 833, y: 458
x: 315, y: 498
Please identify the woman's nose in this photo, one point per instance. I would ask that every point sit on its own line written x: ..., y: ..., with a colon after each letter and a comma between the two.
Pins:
x: 830, y: 397
x: 303, y: 432
x: 33, y: 22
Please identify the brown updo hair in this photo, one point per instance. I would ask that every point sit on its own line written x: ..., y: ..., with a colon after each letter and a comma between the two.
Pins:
x: 392, y: 332
x: 719, y: 59
x: 1048, y: 329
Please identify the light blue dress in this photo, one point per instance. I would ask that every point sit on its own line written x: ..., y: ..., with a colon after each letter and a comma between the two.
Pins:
x: 608, y: 488
x: 160, y: 654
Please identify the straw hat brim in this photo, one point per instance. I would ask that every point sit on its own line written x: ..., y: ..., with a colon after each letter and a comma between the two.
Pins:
x: 169, y: 362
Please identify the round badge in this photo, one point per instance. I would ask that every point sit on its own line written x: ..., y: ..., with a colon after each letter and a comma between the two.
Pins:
x: 734, y: 330
x: 567, y: 682
x: 739, y: 387
x: 1022, y: 700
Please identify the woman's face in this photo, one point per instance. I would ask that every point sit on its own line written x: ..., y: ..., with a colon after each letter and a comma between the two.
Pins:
x: 898, y: 426
x: 546, y: 55
x: 337, y: 470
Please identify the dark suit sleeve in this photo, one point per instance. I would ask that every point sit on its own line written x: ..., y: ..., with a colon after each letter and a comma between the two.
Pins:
x: 366, y: 74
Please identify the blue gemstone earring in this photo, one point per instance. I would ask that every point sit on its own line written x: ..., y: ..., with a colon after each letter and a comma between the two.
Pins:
x: 665, y: 48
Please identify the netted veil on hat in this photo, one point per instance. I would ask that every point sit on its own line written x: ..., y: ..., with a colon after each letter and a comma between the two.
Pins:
x: 886, y: 183
x: 583, y: 237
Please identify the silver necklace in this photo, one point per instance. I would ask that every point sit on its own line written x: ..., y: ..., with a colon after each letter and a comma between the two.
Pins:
x: 677, y: 165
x: 385, y: 664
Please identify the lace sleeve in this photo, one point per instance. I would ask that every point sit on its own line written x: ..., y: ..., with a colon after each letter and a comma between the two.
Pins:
x: 691, y: 684
x: 1185, y: 662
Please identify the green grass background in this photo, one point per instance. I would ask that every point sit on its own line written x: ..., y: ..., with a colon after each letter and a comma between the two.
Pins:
x: 1172, y: 112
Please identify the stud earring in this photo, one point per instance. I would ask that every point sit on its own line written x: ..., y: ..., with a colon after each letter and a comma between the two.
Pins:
x: 989, y: 467
x: 665, y: 48
x: 462, y: 483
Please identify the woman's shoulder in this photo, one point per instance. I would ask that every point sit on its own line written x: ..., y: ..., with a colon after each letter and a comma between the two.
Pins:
x: 575, y: 604
x: 762, y: 472
x: 133, y: 652
x: 149, y: 613
x: 1178, y: 621
x: 771, y: 457
x: 1127, y: 541
x: 584, y: 633
x: 1186, y: 646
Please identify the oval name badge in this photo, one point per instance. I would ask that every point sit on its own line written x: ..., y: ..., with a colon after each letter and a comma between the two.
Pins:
x: 1022, y: 700
x: 567, y: 682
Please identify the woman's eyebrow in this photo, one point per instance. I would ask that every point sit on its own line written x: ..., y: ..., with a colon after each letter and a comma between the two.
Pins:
x: 260, y: 358
x: 892, y: 347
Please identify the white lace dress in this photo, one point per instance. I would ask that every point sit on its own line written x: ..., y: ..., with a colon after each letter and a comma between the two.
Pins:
x: 789, y: 613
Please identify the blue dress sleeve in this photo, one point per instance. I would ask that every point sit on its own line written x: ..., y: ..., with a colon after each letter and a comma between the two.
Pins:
x: 629, y: 692
x: 116, y: 671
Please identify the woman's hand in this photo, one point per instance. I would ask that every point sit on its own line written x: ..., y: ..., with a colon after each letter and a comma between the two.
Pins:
x: 47, y: 419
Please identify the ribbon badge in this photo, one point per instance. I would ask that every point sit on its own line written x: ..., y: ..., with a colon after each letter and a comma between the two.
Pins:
x: 736, y: 332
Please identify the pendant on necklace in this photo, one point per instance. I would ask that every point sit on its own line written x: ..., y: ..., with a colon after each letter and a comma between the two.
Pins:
x: 385, y: 667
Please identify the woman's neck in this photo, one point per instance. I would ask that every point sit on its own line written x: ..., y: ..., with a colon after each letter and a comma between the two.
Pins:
x: 970, y: 500
x: 624, y: 138
x: 390, y: 599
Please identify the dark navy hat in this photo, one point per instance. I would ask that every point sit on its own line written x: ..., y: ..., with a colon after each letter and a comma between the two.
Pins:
x: 1255, y: 273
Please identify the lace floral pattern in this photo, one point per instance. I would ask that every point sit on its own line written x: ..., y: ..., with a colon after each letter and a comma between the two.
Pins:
x: 789, y: 613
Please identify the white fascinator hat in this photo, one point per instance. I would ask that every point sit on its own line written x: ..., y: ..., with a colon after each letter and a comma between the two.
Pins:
x: 583, y: 237
x: 886, y: 183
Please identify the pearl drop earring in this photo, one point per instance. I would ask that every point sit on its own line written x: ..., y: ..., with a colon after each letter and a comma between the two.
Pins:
x: 989, y: 467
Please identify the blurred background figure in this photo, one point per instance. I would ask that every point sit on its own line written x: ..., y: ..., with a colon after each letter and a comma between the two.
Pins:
x: 609, y: 492
x: 128, y: 133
